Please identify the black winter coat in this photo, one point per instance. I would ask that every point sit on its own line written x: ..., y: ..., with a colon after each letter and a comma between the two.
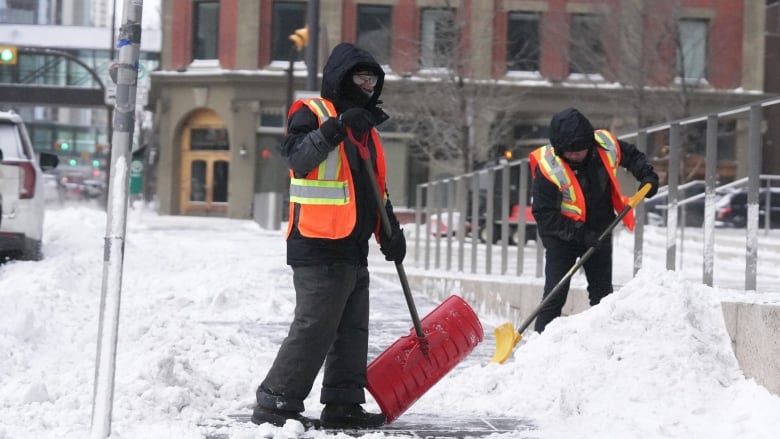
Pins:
x: 305, y: 146
x: 596, y: 187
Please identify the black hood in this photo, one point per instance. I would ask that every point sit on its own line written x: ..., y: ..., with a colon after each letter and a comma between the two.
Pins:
x: 570, y: 131
x: 337, y: 85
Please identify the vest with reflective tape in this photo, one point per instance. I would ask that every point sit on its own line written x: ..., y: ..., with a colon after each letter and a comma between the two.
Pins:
x: 560, y: 173
x: 326, y: 195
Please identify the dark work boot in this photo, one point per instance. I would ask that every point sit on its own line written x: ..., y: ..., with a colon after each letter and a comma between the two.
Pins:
x: 261, y: 415
x: 348, y: 416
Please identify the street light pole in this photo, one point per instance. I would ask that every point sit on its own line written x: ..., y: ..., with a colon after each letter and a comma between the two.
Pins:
x: 312, y: 49
x: 129, y: 43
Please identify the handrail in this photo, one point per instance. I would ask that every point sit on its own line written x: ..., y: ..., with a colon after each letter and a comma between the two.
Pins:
x: 477, y: 197
x: 702, y: 118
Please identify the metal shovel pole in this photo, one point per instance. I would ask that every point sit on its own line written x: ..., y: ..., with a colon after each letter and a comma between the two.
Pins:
x: 366, y: 156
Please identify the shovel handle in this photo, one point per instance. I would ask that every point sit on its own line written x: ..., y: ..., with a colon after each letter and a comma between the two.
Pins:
x: 365, y: 155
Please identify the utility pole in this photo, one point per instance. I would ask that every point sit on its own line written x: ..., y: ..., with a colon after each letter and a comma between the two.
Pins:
x: 313, y: 48
x: 129, y: 43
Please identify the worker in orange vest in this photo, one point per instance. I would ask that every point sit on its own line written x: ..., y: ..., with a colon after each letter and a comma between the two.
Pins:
x: 333, y: 214
x: 575, y: 197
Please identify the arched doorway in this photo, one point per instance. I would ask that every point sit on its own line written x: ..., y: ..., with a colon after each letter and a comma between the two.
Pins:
x: 205, y: 165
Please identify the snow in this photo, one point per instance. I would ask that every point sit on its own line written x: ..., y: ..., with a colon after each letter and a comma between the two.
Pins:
x: 206, y: 302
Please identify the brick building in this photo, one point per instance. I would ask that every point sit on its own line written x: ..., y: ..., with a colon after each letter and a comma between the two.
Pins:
x: 221, y: 94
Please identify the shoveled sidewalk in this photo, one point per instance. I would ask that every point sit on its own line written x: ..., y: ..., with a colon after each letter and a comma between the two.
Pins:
x: 390, y: 320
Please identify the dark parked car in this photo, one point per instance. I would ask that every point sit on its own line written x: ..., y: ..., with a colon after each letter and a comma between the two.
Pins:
x: 732, y: 208
x: 692, y: 210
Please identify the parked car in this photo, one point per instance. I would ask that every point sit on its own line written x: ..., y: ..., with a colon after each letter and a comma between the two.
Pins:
x: 731, y: 209
x: 514, y: 232
x: 443, y: 228
x: 693, y: 210
x: 22, y: 189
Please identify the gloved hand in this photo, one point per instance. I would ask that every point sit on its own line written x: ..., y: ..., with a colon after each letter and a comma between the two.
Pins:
x: 393, y: 247
x: 332, y: 131
x: 652, y: 179
x: 359, y: 120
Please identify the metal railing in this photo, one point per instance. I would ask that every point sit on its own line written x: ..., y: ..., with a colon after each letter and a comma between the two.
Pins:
x: 461, y: 219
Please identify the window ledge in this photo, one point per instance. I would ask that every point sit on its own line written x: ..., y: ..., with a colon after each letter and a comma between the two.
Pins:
x: 585, y: 77
x: 523, y: 74
x: 204, y: 64
x: 691, y: 82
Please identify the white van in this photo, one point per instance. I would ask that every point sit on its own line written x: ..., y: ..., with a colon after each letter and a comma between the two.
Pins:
x: 21, y: 190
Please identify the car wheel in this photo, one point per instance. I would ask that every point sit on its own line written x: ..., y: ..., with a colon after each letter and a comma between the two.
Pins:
x: 483, y: 235
x: 514, y: 236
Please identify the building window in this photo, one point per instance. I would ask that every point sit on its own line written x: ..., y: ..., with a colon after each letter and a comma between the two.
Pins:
x: 287, y: 17
x: 437, y: 37
x: 692, y: 49
x: 205, y: 29
x: 522, y: 41
x: 586, y: 51
x: 209, y: 139
x: 374, y: 30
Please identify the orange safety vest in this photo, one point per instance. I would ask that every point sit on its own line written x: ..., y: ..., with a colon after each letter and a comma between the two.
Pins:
x: 326, y: 195
x: 560, y: 173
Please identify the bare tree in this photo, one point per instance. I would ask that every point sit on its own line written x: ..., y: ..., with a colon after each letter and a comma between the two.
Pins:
x: 457, y: 119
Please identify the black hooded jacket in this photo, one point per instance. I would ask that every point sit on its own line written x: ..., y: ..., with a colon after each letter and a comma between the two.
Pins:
x: 307, y: 145
x: 568, y: 130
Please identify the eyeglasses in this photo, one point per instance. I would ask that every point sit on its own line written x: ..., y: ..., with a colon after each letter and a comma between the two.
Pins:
x: 363, y: 78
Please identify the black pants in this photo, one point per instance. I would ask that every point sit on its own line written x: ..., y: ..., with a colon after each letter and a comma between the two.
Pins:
x: 560, y: 256
x: 330, y: 326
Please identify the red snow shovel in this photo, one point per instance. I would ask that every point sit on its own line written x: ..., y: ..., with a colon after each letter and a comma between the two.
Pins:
x: 401, y: 374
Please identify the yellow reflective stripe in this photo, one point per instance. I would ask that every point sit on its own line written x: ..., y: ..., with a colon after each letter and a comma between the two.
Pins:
x: 608, y: 144
x: 304, y: 191
x: 552, y: 164
x: 322, y: 110
x: 571, y: 208
x: 330, y: 167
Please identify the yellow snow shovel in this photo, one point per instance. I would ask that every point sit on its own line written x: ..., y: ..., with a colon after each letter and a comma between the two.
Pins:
x: 506, y: 335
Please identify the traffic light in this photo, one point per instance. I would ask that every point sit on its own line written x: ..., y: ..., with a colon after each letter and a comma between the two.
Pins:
x: 300, y: 38
x: 61, y: 146
x: 8, y: 55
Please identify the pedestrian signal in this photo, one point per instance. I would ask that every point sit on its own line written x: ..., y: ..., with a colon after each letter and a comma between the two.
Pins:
x: 8, y: 55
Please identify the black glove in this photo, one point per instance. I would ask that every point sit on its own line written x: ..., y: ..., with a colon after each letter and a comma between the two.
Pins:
x: 394, y: 246
x: 359, y: 120
x: 332, y: 131
x: 651, y: 179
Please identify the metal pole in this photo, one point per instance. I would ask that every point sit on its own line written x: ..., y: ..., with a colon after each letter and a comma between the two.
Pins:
x: 128, y: 42
x: 710, y: 174
x: 673, y: 173
x: 640, y: 214
x: 313, y: 47
x: 754, y: 177
x: 110, y: 108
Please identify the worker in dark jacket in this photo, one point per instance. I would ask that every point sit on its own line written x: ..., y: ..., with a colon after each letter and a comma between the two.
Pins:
x: 575, y: 197
x: 333, y: 214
